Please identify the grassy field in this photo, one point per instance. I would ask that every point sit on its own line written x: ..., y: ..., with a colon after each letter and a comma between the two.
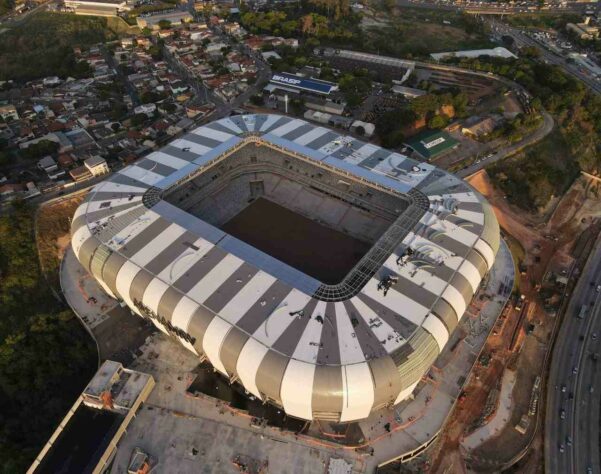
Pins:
x: 418, y: 32
x: 42, y: 45
x: 532, y: 178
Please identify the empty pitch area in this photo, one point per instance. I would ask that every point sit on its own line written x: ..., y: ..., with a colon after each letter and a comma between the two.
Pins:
x: 313, y: 248
x: 308, y: 218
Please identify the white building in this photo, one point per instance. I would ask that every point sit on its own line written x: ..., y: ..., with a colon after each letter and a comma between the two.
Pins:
x: 498, y: 52
x: 8, y: 111
x: 97, y: 165
x: 173, y: 17
x: 408, y: 92
x: 51, y: 81
x: 365, y: 129
x: 267, y: 55
x: 97, y: 7
x: 147, y: 109
x: 310, y: 362
x: 584, y: 61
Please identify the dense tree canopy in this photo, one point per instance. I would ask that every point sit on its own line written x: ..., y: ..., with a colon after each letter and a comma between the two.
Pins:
x: 6, y: 6
x: 45, y: 355
x: 43, y: 46
x: 577, y: 111
x: 429, y: 107
x: 40, y: 149
x: 328, y: 20
x: 547, y: 169
x: 355, y: 86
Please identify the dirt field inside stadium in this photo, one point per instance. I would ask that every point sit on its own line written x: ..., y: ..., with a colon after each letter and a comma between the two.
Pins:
x: 319, y: 251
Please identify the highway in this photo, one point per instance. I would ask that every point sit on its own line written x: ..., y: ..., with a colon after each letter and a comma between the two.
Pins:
x: 493, y: 8
x: 522, y: 40
x: 574, y: 388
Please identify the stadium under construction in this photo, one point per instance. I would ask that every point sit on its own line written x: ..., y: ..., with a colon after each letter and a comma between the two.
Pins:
x: 322, y: 273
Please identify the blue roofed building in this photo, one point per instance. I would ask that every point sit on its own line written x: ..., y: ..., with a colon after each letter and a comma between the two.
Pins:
x: 306, y: 84
x: 317, y: 95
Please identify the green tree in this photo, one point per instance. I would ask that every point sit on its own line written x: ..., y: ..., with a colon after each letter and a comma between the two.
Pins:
x: 437, y: 122
x: 425, y: 104
x: 46, y: 357
x: 39, y: 150
x: 257, y: 100
x: 6, y: 6
x: 139, y: 119
x: 42, y: 45
x: 355, y: 86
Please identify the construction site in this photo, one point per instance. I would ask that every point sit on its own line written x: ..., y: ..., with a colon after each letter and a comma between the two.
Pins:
x: 217, y: 403
x: 462, y: 408
x: 548, y: 251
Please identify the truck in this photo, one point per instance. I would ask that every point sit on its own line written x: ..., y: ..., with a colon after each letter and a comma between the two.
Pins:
x: 582, y: 312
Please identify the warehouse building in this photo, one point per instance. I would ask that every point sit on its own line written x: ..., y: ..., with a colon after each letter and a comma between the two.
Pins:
x: 97, y: 7
x: 432, y: 144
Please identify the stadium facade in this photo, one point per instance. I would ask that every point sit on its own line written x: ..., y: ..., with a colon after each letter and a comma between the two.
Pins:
x: 151, y: 236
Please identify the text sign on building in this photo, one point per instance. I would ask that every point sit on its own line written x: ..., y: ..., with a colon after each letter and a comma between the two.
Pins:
x: 433, y: 143
x: 311, y: 85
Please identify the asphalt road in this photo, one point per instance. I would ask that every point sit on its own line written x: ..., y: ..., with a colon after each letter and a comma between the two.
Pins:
x: 492, y: 8
x: 222, y: 107
x: 574, y: 388
x: 511, y: 149
x: 519, y: 37
x: 263, y: 76
x: 16, y: 20
x: 522, y: 40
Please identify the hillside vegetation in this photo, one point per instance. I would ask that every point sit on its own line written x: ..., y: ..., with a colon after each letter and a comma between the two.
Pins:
x: 409, y: 32
x: 43, y: 45
x: 6, y: 6
x: 531, y: 179
x: 46, y: 357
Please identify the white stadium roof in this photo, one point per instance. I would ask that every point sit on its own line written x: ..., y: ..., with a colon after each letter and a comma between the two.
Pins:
x: 319, y: 351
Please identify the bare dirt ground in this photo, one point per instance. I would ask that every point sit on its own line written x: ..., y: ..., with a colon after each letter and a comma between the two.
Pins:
x: 319, y: 251
x: 548, y: 243
x: 53, y: 232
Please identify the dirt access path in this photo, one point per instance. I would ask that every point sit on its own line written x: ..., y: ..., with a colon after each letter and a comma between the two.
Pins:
x: 548, y: 245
